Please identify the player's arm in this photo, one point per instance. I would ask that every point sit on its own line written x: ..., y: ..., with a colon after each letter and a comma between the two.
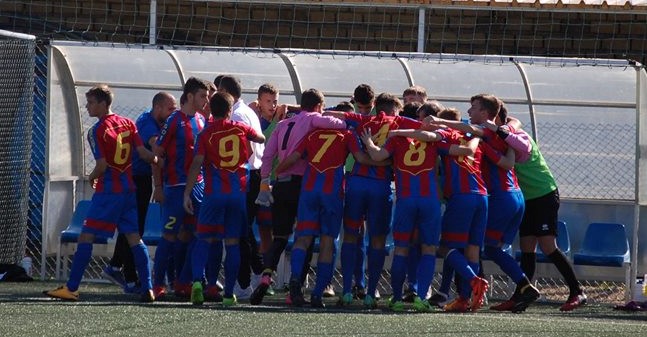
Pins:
x: 475, y: 130
x: 337, y: 114
x: 328, y: 122
x: 517, y: 140
x: 365, y: 159
x: 418, y: 134
x: 288, y: 161
x: 376, y: 152
x: 192, y: 176
x: 100, y: 167
x: 504, y: 161
x: 256, y: 137
x: 467, y: 150
x: 283, y: 109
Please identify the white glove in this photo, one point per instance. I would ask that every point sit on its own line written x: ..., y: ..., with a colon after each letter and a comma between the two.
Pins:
x: 264, y: 197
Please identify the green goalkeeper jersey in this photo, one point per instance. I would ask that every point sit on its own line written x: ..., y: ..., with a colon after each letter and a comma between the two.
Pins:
x: 534, y: 176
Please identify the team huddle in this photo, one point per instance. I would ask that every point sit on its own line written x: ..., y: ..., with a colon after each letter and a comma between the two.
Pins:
x: 223, y: 170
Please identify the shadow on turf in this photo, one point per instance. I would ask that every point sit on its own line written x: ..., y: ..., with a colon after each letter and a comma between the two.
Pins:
x: 105, y: 296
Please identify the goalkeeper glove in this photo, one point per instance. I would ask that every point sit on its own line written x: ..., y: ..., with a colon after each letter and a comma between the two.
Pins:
x: 265, y: 194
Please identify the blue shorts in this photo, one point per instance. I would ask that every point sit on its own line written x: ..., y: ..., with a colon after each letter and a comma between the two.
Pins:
x: 173, y: 213
x: 319, y: 214
x: 464, y: 220
x: 505, y: 212
x: 419, y: 213
x: 222, y: 216
x: 110, y: 211
x: 370, y: 199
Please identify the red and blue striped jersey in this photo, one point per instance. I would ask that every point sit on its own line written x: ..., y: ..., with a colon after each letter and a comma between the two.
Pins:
x: 114, y: 138
x: 496, y: 178
x: 462, y: 173
x: 225, y: 147
x: 380, y: 125
x: 325, y: 150
x: 415, y: 166
x: 178, y: 139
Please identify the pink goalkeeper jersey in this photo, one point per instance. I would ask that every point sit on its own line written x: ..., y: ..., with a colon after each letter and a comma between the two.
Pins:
x: 287, y: 136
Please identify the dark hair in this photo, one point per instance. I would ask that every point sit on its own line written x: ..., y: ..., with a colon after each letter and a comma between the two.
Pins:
x: 159, y: 98
x: 489, y: 103
x: 231, y: 85
x: 344, y: 106
x: 410, y: 110
x: 102, y: 93
x: 503, y: 113
x: 310, y: 98
x: 216, y: 81
x: 267, y: 88
x: 363, y: 94
x: 451, y: 114
x: 431, y: 108
x: 220, y: 104
x: 193, y: 85
x: 388, y: 103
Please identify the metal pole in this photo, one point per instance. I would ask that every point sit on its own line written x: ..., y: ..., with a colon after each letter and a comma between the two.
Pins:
x: 421, y: 30
x: 152, y: 39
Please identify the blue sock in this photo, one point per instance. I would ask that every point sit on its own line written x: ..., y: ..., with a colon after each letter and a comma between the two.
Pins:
x: 460, y: 264
x: 186, y: 274
x: 506, y: 262
x: 398, y: 270
x: 214, y: 261
x: 426, y: 270
x: 297, y: 259
x: 376, y: 263
x: 360, y: 275
x: 447, y: 277
x: 232, y: 266
x: 412, y: 266
x: 348, y: 257
x: 140, y: 255
x: 199, y: 259
x: 324, y: 276
x: 161, y: 262
x: 466, y: 286
x: 79, y: 263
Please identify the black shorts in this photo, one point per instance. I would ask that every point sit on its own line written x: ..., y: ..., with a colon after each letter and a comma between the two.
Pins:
x: 540, y: 217
x: 254, y: 187
x: 286, y: 202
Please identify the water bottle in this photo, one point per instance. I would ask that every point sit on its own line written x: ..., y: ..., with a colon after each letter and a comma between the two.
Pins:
x: 25, y: 263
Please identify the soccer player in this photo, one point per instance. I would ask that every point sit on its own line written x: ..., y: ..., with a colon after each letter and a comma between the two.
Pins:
x: 176, y: 144
x: 222, y: 150
x: 369, y: 196
x: 364, y: 100
x: 415, y: 93
x: 430, y: 108
x: 410, y: 110
x: 320, y: 209
x: 539, y: 224
x: 284, y: 196
x: 249, y: 255
x: 149, y: 125
x: 417, y: 207
x: 270, y: 112
x: 505, y: 202
x: 114, y: 205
